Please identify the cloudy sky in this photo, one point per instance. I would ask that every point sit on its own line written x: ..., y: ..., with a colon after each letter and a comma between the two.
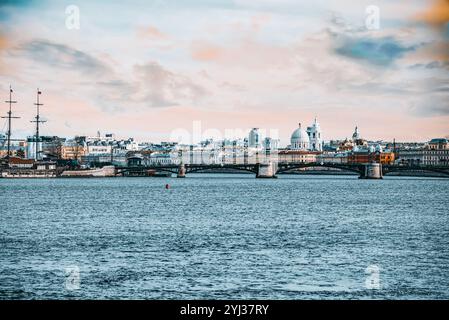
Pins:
x: 145, y: 68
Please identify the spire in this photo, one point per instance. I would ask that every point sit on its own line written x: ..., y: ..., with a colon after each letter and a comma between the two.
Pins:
x: 315, y: 123
x: 356, y: 134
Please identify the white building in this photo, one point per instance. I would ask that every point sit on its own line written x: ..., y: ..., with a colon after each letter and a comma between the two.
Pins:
x: 299, y: 140
x: 436, y: 153
x: 254, y: 139
x: 162, y: 159
x: 270, y: 143
x: 295, y: 156
x: 315, y: 138
x: 310, y: 140
x: 96, y: 150
x: 34, y: 148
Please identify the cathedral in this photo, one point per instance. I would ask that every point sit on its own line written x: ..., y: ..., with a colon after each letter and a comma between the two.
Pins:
x: 309, y: 139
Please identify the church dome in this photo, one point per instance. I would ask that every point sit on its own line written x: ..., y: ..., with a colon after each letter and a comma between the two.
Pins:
x: 300, y: 139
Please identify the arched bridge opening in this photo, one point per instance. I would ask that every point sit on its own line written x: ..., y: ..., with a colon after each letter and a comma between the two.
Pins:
x: 346, y: 168
x: 442, y: 172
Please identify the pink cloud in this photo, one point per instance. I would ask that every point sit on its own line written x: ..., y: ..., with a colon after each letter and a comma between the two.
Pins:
x: 246, y: 53
x: 151, y: 32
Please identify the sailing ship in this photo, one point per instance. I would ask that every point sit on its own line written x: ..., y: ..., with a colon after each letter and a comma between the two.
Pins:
x: 35, y: 167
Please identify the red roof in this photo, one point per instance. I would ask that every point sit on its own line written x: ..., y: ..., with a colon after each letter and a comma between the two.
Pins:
x: 15, y: 160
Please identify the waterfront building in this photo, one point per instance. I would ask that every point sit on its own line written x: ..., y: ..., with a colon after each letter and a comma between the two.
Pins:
x: 271, y: 144
x: 108, y: 149
x: 435, y: 153
x: 97, y: 150
x: 154, y: 147
x: 438, y: 144
x: 385, y: 157
x: 333, y: 157
x: 355, y: 143
x: 34, y: 148
x: 331, y: 146
x: 214, y: 153
x: 109, y: 136
x: 411, y: 156
x: 73, y: 150
x: 161, y: 159
x: 16, y: 150
x: 51, y: 147
x: 357, y: 140
x: 310, y: 139
x: 346, y: 145
x: 367, y: 156
x: 47, y: 147
x: 436, y: 157
x: 315, y: 138
x: 99, y: 138
x: 254, y: 138
x: 299, y: 140
x: 296, y: 156
x: 122, y: 149
x: 135, y: 160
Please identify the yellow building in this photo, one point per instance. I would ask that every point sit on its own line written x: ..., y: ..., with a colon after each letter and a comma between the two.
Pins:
x: 73, y: 151
x: 387, y: 158
x: 13, y: 153
x: 295, y: 156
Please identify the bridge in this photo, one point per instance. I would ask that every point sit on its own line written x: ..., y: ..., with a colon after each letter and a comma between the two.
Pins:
x: 272, y: 169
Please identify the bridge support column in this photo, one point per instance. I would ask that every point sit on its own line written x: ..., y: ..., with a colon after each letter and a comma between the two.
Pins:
x: 372, y: 171
x: 181, y: 171
x: 266, y: 170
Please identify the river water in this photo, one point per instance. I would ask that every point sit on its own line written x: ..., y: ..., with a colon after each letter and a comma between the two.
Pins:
x: 225, y: 237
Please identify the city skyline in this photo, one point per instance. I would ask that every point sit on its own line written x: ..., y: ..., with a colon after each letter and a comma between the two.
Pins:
x: 227, y: 158
x: 159, y: 66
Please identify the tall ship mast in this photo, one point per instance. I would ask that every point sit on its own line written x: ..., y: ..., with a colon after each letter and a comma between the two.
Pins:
x: 37, y: 121
x: 9, y: 117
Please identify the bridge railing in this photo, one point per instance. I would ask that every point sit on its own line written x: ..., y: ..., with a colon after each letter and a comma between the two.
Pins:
x: 228, y: 159
x: 241, y: 163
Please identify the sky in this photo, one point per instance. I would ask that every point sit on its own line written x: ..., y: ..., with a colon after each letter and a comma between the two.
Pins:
x: 146, y: 69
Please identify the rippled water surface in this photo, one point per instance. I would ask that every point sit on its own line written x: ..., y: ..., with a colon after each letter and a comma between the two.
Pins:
x: 225, y: 237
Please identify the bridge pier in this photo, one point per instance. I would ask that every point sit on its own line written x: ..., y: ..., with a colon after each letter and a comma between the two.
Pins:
x: 372, y: 171
x: 181, y: 171
x: 266, y: 170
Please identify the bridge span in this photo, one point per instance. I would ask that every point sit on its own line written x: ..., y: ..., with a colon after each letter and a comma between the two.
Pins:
x: 272, y: 169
